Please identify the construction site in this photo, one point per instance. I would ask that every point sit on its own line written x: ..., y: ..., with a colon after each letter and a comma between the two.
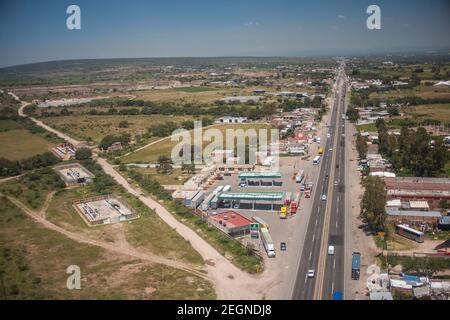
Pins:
x: 103, y: 210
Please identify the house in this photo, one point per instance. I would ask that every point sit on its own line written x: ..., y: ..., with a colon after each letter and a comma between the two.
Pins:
x: 116, y: 146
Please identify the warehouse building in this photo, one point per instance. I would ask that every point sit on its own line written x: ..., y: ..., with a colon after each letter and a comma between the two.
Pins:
x: 397, y: 216
x: 432, y: 190
x: 261, y: 179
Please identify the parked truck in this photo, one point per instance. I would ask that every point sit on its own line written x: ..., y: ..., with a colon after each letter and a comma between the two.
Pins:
x: 300, y: 176
x: 356, y: 265
x: 287, y: 198
x: 206, y: 203
x: 308, y: 190
x: 294, y: 203
x: 267, y: 242
x: 197, y: 200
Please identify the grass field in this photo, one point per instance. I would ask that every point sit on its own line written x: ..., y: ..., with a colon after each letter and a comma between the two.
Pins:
x: 425, y: 92
x: 148, y: 233
x: 164, y: 147
x: 440, y: 112
x: 94, y: 128
x: 19, y: 144
x: 174, y: 178
x: 33, y: 264
x: 194, y: 89
x: 395, y: 242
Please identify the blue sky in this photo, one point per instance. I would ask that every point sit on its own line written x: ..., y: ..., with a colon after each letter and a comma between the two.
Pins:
x: 33, y: 31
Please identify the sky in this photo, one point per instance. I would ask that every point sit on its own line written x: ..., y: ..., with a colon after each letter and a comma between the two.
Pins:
x: 35, y: 31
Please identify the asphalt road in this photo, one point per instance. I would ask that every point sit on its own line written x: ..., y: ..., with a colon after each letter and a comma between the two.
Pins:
x: 327, y: 217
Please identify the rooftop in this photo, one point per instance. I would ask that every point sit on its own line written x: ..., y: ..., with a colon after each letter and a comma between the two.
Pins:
x: 231, y: 219
x: 268, y: 196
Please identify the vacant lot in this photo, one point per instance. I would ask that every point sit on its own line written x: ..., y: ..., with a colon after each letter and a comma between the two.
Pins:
x: 173, y: 178
x: 422, y: 91
x: 440, y: 112
x: 94, y: 128
x: 33, y: 264
x: 164, y: 147
x: 193, y: 95
x: 148, y: 233
x: 19, y: 144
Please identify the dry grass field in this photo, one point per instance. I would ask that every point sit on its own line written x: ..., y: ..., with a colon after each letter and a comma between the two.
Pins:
x: 19, y: 144
x: 164, y: 147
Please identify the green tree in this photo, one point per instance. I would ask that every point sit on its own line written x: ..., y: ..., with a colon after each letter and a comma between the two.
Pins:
x: 373, y: 203
x: 83, y: 154
x: 361, y: 146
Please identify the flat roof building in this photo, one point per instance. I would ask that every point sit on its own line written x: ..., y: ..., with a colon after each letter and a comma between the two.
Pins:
x: 74, y: 173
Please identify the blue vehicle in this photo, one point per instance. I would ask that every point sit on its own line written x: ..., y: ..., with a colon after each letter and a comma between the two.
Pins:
x: 338, y: 295
x: 356, y: 265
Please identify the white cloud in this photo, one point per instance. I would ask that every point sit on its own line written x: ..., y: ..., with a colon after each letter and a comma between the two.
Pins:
x: 342, y: 17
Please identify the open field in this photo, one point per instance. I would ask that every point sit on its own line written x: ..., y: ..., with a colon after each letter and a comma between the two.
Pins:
x: 194, y: 89
x: 164, y: 147
x: 422, y: 91
x: 19, y: 144
x: 33, y: 264
x: 395, y: 242
x: 31, y: 189
x: 440, y: 112
x: 174, y: 178
x: 174, y: 95
x: 148, y: 233
x: 94, y: 128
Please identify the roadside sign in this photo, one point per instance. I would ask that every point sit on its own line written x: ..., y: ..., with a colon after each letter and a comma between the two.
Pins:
x: 254, y: 227
x: 254, y: 230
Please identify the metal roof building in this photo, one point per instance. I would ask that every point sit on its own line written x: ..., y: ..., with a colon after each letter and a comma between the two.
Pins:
x: 260, y: 175
x: 255, y: 196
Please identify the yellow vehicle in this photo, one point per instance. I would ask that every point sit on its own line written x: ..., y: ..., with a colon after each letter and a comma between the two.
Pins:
x: 283, y: 212
x: 321, y: 150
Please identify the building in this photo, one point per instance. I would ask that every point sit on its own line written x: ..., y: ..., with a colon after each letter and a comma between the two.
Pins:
x: 116, y: 146
x: 397, y: 216
x: 241, y: 99
x: 231, y: 223
x: 74, y: 173
x: 444, y: 223
x: 232, y: 120
x: 382, y: 295
x: 432, y: 190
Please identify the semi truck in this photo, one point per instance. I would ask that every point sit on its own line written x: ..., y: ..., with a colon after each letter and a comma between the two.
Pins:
x: 206, y: 203
x: 308, y: 190
x: 356, y: 265
x: 267, y: 242
x: 287, y: 198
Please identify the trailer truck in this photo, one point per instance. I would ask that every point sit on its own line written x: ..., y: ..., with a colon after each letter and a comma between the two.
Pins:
x: 267, y: 242
x: 356, y: 265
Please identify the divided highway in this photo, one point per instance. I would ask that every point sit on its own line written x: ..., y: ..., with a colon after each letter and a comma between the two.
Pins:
x: 327, y: 220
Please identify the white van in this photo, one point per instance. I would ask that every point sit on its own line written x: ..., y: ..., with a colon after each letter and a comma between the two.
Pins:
x: 331, y: 250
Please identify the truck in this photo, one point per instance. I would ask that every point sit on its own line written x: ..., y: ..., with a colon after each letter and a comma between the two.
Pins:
x: 300, y: 176
x: 356, y: 265
x: 294, y: 203
x: 261, y: 222
x: 206, y: 203
x: 337, y: 295
x: 320, y: 150
x: 267, y: 242
x: 287, y: 198
x: 226, y: 188
x: 283, y: 212
x: 308, y: 189
x: 197, y: 200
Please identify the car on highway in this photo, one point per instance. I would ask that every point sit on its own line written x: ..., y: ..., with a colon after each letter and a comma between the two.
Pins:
x: 311, y: 273
x: 324, y: 197
x: 331, y: 250
x: 283, y: 246
x: 336, y: 183
x: 328, y: 135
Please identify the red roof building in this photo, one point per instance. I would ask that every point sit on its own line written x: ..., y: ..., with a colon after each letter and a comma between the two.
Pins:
x: 231, y: 223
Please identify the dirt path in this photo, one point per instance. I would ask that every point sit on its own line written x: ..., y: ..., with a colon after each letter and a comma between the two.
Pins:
x: 43, y: 211
x: 230, y: 282
x: 37, y: 216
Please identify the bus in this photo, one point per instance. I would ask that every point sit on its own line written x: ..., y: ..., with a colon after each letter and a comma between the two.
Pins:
x: 356, y: 265
x: 409, y: 233
x: 316, y: 160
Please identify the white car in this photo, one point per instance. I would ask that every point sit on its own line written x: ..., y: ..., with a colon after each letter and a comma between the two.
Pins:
x: 324, y: 197
x: 331, y: 250
x: 311, y: 273
x: 336, y: 183
x: 328, y: 135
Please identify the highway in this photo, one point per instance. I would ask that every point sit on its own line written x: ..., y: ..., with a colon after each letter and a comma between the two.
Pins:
x: 327, y: 220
